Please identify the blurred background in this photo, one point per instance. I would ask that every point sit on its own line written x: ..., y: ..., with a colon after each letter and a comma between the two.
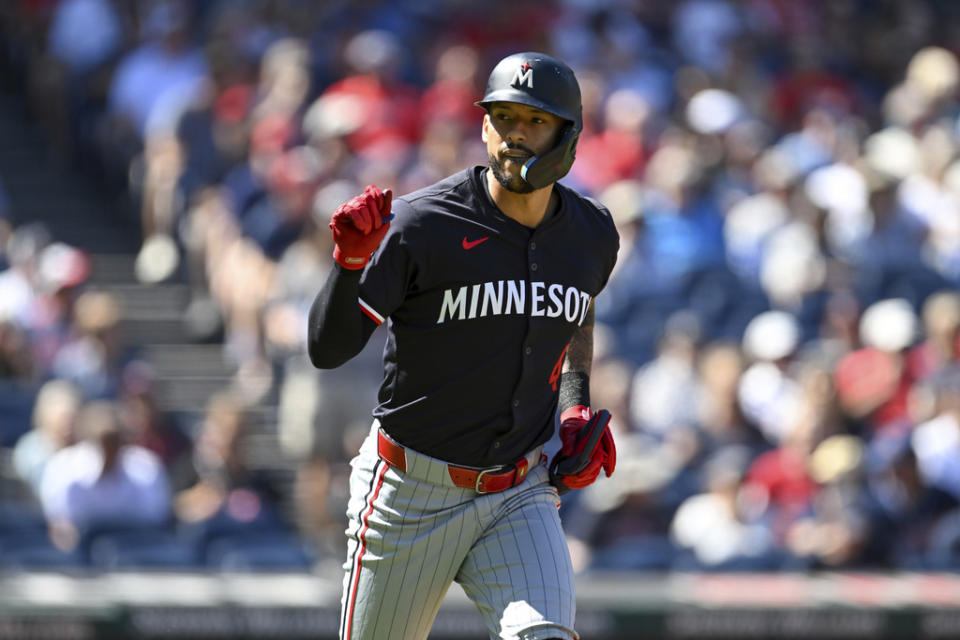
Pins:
x: 779, y: 343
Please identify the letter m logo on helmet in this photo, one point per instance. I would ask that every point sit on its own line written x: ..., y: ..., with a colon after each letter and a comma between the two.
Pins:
x: 523, y: 76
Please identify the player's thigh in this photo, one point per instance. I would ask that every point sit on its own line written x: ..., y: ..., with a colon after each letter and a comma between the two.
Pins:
x: 405, y: 541
x: 519, y: 572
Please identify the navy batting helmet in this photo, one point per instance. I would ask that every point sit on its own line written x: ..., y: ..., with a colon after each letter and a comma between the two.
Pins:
x: 543, y: 82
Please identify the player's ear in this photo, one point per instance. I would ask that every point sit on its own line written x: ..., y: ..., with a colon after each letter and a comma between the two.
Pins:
x: 483, y: 131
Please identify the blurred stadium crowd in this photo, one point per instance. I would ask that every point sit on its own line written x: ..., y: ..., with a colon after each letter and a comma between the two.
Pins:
x: 779, y: 344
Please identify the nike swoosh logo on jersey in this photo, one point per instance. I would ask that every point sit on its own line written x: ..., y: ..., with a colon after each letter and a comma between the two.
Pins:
x: 470, y: 244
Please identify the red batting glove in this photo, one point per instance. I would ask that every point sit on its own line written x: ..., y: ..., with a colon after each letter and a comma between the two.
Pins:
x: 573, y: 422
x: 359, y: 225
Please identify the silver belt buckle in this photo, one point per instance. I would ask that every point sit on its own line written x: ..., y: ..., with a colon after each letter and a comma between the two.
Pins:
x: 476, y: 486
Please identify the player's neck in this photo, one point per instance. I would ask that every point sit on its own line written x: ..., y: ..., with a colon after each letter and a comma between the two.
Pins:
x: 529, y: 209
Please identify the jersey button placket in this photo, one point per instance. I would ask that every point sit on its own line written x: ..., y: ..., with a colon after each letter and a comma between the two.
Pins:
x: 533, y: 266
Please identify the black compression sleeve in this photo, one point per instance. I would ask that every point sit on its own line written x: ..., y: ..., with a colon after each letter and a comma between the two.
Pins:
x: 337, y: 328
x: 574, y: 390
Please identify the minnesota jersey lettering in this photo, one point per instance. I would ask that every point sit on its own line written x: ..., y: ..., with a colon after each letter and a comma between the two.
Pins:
x: 480, y: 300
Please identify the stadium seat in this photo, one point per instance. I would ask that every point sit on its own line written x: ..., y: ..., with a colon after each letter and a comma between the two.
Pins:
x: 646, y: 553
x: 943, y: 553
x: 16, y: 408
x: 27, y: 550
x: 199, y: 535
x: 140, y: 549
x: 260, y: 551
x: 21, y: 517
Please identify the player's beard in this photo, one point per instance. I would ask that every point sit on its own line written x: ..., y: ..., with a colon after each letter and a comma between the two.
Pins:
x: 513, y: 183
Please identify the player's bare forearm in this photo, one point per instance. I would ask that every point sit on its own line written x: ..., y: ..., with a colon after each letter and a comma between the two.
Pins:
x: 337, y: 329
x: 579, y: 356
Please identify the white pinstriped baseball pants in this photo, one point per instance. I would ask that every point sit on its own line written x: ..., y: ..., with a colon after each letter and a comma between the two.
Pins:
x: 411, y: 534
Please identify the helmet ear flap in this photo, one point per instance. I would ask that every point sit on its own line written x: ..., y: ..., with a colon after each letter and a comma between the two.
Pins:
x: 552, y: 165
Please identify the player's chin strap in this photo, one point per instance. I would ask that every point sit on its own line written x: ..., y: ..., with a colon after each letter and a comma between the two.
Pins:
x: 543, y: 170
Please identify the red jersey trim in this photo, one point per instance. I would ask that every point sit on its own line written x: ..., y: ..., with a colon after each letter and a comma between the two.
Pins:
x: 370, y: 311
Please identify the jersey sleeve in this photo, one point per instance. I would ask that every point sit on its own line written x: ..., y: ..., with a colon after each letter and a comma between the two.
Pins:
x: 610, y: 237
x: 391, y: 270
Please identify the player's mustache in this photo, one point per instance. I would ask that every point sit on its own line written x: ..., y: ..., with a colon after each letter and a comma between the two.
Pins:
x: 517, y: 147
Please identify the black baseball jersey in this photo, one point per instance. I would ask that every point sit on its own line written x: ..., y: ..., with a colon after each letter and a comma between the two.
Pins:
x: 479, y: 311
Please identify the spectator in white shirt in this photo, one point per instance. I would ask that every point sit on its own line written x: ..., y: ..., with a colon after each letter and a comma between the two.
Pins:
x: 102, y: 481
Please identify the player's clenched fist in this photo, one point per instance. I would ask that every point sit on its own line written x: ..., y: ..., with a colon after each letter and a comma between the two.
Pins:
x: 359, y: 225
x: 587, y: 448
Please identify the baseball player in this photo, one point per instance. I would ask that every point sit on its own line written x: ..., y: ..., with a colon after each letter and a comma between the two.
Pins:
x: 486, y: 282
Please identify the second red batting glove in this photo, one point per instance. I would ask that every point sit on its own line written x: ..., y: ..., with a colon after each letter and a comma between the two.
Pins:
x: 581, y: 441
x: 359, y: 225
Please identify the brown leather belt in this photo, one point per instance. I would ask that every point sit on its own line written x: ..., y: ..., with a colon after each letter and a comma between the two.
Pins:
x: 489, y: 480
